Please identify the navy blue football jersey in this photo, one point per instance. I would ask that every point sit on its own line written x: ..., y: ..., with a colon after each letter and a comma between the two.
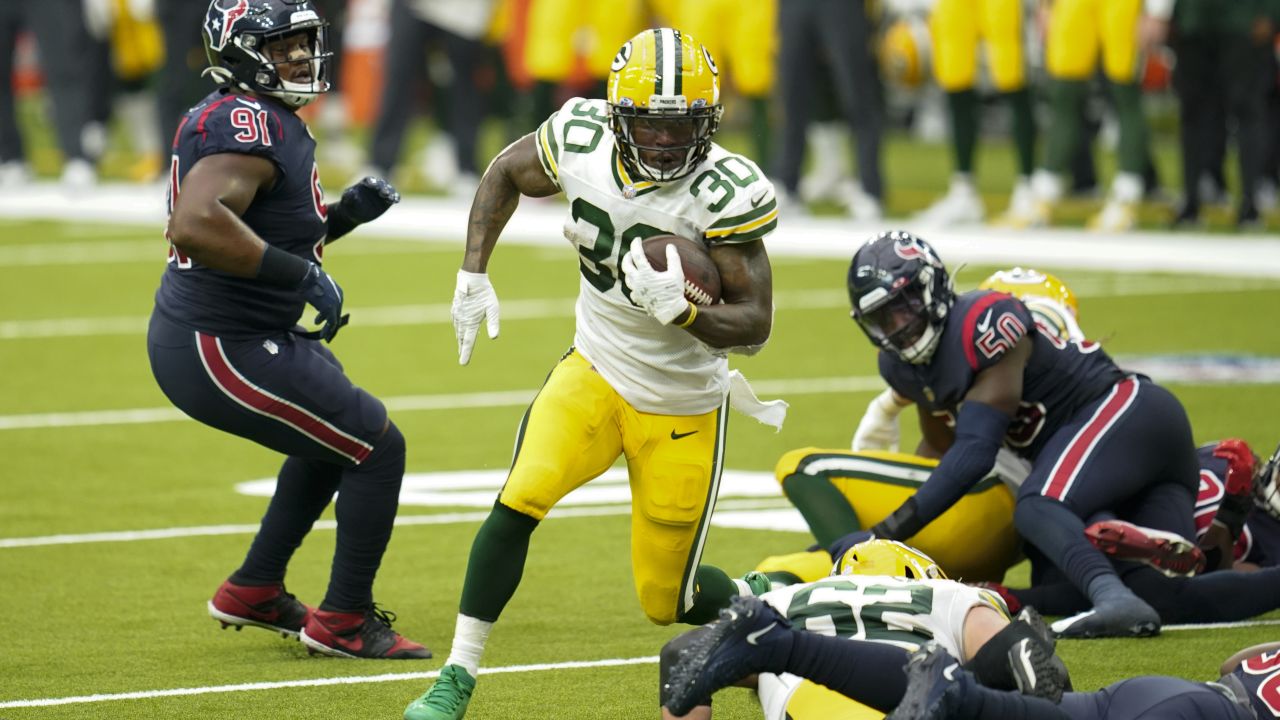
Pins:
x: 290, y: 216
x: 1259, y: 543
x: 1260, y: 675
x: 1060, y: 377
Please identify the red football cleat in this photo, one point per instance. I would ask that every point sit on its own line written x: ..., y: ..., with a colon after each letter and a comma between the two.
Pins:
x: 366, y: 634
x: 1167, y: 552
x: 270, y: 607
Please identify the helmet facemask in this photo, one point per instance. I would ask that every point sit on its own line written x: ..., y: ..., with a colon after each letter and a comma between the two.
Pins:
x: 265, y: 62
x: 663, y: 145
x: 1266, y: 488
x: 903, y: 321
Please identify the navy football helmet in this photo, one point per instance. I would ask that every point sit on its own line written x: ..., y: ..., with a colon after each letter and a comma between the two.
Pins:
x: 1266, y: 486
x: 236, y: 38
x: 901, y: 294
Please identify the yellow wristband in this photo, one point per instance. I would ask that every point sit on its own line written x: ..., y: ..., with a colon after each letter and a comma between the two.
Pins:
x: 693, y: 314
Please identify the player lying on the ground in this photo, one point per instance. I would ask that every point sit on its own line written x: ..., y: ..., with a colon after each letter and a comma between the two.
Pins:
x: 837, y: 490
x: 850, y: 632
x: 939, y: 688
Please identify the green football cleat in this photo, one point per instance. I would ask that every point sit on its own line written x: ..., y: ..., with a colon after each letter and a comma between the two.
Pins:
x: 447, y: 699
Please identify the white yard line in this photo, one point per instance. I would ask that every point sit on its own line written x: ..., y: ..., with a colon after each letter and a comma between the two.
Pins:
x: 550, y: 308
x: 106, y: 251
x: 428, y: 675
x: 319, y: 682
x: 402, y: 520
x: 405, y: 403
x: 541, y: 224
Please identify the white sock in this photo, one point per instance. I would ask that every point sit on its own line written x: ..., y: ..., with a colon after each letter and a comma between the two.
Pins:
x: 469, y: 637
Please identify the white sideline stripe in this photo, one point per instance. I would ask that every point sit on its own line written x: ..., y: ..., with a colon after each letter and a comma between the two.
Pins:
x: 405, y: 403
x: 403, y: 520
x: 549, y: 308
x: 428, y: 675
x: 320, y: 682
x: 153, y: 251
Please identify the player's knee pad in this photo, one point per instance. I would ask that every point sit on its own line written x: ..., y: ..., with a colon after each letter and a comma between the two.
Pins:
x: 678, y: 497
x: 790, y: 461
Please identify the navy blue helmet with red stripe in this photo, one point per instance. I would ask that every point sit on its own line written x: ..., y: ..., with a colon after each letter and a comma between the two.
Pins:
x: 901, y: 294
x: 239, y: 36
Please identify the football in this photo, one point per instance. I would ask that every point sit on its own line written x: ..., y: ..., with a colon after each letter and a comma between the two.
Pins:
x: 701, y: 277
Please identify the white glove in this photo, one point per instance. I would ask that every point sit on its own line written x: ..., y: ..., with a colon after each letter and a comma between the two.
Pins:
x: 878, y: 429
x: 661, y: 294
x: 473, y: 300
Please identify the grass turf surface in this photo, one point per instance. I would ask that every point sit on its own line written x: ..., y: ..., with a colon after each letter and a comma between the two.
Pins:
x: 121, y: 617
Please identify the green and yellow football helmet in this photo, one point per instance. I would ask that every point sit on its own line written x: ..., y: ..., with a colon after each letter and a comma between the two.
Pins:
x: 888, y: 557
x: 1025, y: 282
x: 664, y: 104
x: 904, y: 53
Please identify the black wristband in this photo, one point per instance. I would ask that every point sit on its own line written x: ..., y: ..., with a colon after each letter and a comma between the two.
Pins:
x: 340, y: 222
x: 901, y: 523
x: 282, y: 269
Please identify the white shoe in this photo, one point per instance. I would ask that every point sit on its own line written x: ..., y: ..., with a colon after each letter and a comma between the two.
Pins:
x: 789, y: 206
x: 439, y: 165
x: 78, y: 174
x: 862, y: 206
x: 1116, y: 216
x: 1023, y: 210
x: 14, y: 173
x: 961, y: 204
x: 465, y: 186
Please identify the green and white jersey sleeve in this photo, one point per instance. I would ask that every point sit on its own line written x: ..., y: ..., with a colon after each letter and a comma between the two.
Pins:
x: 897, y: 611
x: 657, y: 368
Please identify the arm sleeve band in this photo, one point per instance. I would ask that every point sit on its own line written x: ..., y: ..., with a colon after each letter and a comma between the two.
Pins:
x: 979, y: 431
x: 282, y: 269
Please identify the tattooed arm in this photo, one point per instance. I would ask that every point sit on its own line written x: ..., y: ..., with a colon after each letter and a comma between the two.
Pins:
x: 515, y: 172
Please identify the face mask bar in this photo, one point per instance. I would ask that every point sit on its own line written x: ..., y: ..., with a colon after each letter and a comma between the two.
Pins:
x: 703, y: 121
x: 884, y: 325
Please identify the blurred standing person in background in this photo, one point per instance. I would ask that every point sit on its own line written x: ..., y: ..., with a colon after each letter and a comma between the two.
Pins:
x: 1079, y: 33
x: 457, y: 27
x: 129, y: 51
x: 743, y: 37
x: 178, y: 85
x: 62, y: 42
x: 1222, y: 48
x: 840, y: 32
x: 959, y: 29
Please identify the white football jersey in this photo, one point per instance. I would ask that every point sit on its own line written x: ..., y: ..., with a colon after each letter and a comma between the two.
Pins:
x: 897, y: 611
x: 727, y: 199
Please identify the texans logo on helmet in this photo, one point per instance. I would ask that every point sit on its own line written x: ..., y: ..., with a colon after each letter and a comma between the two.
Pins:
x: 909, y: 247
x: 218, y: 36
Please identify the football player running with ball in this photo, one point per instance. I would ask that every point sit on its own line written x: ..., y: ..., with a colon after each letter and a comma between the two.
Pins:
x: 248, y: 227
x: 647, y: 376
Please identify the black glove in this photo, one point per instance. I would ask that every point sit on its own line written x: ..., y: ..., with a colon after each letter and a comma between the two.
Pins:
x: 323, y: 293
x: 368, y: 199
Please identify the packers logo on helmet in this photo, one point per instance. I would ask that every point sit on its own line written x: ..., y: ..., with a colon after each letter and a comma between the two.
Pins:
x: 1024, y: 283
x: 664, y: 104
x: 888, y: 557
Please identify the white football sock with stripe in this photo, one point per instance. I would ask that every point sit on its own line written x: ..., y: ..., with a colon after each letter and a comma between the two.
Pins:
x: 469, y: 637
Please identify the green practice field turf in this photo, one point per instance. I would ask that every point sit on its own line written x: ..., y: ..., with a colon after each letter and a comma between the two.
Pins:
x: 99, y: 611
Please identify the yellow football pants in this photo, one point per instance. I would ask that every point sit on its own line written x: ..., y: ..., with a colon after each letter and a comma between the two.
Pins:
x: 742, y: 37
x: 956, y: 28
x: 1081, y: 30
x: 974, y: 540
x: 577, y: 427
